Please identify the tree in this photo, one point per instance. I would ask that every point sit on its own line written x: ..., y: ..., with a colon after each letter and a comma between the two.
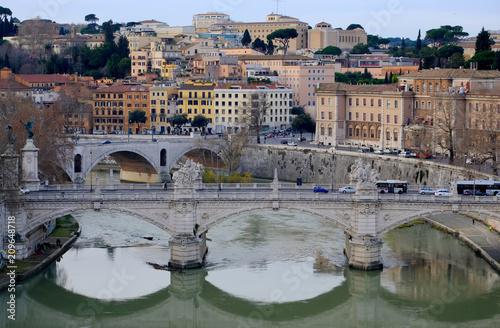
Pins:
x: 496, y: 61
x: 91, y: 18
x: 449, y: 123
x: 483, y: 41
x: 330, y: 50
x: 456, y: 60
x: 270, y: 47
x: 483, y: 59
x: 179, y: 120
x: 403, y: 44
x: 108, y: 32
x: 231, y: 151
x: 283, y: 36
x: 124, y: 67
x: 446, y: 34
x: 72, y: 103
x: 418, y: 45
x: 297, y: 110
x: 123, y: 47
x: 360, y: 49
x: 448, y: 50
x: 254, y: 112
x: 259, y: 45
x: 246, y: 40
x: 488, y: 139
x: 303, y: 123
x: 200, y: 121
x: 112, y: 66
x: 354, y: 26
x: 137, y: 116
x: 428, y: 57
x: 55, y: 148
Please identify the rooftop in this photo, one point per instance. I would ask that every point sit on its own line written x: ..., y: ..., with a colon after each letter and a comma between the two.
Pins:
x: 123, y: 88
x: 43, y: 78
x: 369, y: 88
x: 450, y: 73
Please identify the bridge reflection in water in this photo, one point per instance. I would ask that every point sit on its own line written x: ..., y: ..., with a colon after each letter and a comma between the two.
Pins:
x: 361, y: 299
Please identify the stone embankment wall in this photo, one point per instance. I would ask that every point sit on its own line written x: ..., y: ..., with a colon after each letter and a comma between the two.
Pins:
x: 320, y: 165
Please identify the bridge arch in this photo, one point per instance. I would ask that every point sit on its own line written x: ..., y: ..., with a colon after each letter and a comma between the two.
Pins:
x: 159, y: 222
x: 217, y: 219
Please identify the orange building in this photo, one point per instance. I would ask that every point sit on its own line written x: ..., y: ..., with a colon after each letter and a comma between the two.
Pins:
x: 113, y: 105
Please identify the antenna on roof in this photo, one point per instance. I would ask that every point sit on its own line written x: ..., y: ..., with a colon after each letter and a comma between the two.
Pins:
x: 277, y: 5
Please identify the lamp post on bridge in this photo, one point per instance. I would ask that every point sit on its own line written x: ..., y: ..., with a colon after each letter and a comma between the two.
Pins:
x: 91, y: 171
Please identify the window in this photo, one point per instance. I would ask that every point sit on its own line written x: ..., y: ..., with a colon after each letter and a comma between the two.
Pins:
x: 322, y: 115
x: 388, y: 119
x: 330, y: 102
x: 372, y: 102
x: 330, y: 115
x: 423, y: 104
x: 364, y: 101
x: 322, y: 101
x: 395, y: 136
x: 357, y: 116
x: 395, y: 104
x: 364, y: 116
x: 416, y: 104
x: 380, y: 103
x: 395, y: 119
x: 350, y: 116
x: 388, y: 104
x: 357, y: 101
x: 428, y: 105
x: 379, y: 117
x: 371, y: 117
x: 350, y: 101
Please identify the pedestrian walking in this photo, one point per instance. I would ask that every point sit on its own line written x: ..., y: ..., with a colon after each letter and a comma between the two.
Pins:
x: 165, y: 185
x: 473, y: 221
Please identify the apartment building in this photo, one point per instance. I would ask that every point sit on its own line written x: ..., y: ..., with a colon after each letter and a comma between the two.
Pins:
x: 113, y: 105
x: 232, y: 102
x: 197, y: 98
x: 163, y: 98
x: 273, y: 23
x: 362, y: 115
x: 299, y: 73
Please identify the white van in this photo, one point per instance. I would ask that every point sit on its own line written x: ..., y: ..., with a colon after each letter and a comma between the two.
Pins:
x: 404, y: 154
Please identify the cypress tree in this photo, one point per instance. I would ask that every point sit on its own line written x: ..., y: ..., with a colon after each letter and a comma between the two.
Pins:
x: 386, y: 79
x: 390, y: 77
x: 496, y: 61
x: 246, y: 40
x: 483, y: 41
x: 403, y: 44
x: 418, y: 45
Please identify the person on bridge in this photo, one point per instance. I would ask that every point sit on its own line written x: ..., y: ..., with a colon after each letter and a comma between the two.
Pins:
x: 165, y: 185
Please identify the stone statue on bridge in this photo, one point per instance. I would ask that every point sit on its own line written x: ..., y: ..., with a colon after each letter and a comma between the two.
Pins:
x: 189, y: 175
x: 28, y: 126
x: 363, y: 177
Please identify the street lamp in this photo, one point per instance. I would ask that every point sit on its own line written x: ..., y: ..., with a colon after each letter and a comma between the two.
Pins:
x: 218, y: 171
x: 91, y: 171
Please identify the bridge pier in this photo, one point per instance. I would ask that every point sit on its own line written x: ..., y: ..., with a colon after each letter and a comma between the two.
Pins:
x: 187, y: 251
x: 363, y: 252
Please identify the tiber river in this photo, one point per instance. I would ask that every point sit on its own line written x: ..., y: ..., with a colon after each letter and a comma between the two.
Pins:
x: 265, y: 269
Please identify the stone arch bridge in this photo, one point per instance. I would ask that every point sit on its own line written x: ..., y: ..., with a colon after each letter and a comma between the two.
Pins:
x: 189, y: 212
x: 143, y: 157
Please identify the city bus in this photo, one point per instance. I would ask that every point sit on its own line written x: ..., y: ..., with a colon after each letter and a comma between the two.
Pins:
x: 419, y: 152
x: 489, y: 187
x: 392, y: 186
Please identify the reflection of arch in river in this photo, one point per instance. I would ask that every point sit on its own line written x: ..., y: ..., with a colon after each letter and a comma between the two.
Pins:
x: 190, y: 298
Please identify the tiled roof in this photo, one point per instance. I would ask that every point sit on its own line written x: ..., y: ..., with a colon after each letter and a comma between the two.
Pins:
x: 449, y: 73
x: 6, y: 84
x: 274, y: 57
x: 123, y: 88
x: 43, y: 78
x: 337, y: 86
x: 196, y: 87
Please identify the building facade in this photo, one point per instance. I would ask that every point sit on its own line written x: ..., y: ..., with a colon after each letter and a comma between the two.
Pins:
x: 323, y: 35
x: 197, y: 98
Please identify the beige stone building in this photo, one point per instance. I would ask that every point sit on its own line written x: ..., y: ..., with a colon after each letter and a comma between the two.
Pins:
x: 362, y: 115
x: 203, y: 22
x: 274, y: 22
x: 232, y: 100
x: 323, y: 35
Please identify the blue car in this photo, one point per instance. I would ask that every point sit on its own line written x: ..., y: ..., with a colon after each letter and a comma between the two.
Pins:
x: 106, y: 142
x: 320, y: 189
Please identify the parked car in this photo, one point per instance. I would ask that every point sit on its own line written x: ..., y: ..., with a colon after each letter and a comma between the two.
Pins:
x: 426, y: 191
x: 379, y: 152
x: 106, y: 142
x: 472, y: 192
x: 404, y: 154
x: 361, y: 150
x: 320, y: 189
x: 301, y: 138
x: 387, y: 151
x: 98, y: 132
x: 347, y: 190
x: 442, y: 192
x: 292, y: 144
x: 270, y: 135
x: 284, y: 142
x: 112, y: 132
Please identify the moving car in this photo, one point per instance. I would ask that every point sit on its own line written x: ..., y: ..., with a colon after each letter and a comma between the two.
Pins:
x: 301, y: 138
x: 320, y: 189
x: 106, y: 142
x: 284, y: 142
x: 442, y: 192
x: 347, y: 189
x: 292, y: 144
x: 426, y: 191
x: 404, y: 154
x: 379, y: 152
x: 24, y: 190
x: 270, y: 135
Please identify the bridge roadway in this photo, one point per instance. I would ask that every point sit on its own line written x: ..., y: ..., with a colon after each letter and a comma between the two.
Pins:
x: 189, y: 213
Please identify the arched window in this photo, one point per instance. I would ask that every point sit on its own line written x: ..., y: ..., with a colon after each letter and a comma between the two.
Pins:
x: 78, y: 163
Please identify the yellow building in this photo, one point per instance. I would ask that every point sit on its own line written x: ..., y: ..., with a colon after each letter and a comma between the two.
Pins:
x: 273, y: 23
x: 196, y: 98
x: 169, y: 71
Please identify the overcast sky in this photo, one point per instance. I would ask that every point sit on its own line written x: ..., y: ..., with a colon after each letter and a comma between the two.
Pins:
x: 388, y: 18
